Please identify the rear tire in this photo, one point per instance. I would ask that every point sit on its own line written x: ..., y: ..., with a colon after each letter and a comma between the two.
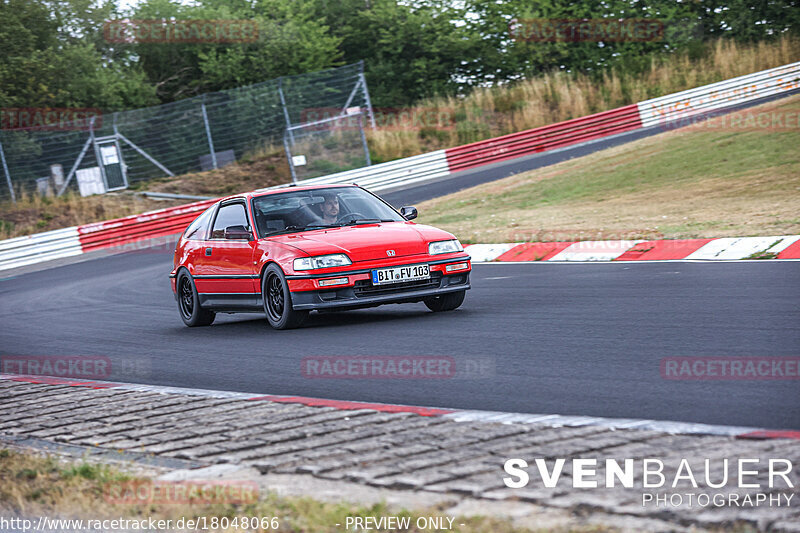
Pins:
x: 278, y: 300
x: 446, y: 302
x: 189, y: 303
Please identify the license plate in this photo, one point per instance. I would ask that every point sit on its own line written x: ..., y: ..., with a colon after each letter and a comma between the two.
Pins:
x: 384, y: 276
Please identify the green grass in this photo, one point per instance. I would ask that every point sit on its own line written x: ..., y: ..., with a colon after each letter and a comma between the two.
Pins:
x: 682, y: 161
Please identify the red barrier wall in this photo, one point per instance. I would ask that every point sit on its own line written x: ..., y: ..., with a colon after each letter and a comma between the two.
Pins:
x: 138, y: 227
x: 528, y: 142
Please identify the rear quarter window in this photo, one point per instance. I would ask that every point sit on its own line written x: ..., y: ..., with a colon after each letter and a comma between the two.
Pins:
x: 198, y: 229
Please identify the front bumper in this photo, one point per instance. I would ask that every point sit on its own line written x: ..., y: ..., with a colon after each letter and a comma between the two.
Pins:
x: 366, y: 295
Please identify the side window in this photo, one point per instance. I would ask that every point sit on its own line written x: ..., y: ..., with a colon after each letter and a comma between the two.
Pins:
x: 229, y: 215
x: 197, y: 229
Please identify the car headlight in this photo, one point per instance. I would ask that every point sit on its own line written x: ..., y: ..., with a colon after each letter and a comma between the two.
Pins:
x: 321, y: 261
x: 445, y: 247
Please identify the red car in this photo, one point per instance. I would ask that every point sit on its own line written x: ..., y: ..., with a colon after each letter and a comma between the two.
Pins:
x: 292, y: 250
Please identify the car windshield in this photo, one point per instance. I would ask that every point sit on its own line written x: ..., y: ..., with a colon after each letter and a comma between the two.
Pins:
x: 332, y: 207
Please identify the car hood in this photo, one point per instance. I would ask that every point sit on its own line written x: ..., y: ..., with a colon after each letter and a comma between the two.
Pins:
x: 368, y: 242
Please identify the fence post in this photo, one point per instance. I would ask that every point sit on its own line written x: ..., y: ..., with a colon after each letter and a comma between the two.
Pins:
x: 98, y: 158
x: 366, y: 94
x: 364, y: 140
x: 8, y: 176
x: 285, y: 111
x: 75, y: 166
x: 289, y: 157
x: 123, y: 167
x: 208, y: 131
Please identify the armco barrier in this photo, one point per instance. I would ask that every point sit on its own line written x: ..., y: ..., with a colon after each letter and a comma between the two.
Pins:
x: 58, y: 244
x: 138, y: 227
x: 24, y: 251
x: 405, y: 171
x: 716, y: 96
x: 542, y: 139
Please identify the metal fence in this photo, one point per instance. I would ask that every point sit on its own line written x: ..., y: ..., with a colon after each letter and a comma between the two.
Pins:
x: 190, y: 135
x: 327, y: 146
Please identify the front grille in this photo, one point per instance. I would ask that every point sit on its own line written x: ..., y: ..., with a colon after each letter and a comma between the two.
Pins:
x: 364, y: 287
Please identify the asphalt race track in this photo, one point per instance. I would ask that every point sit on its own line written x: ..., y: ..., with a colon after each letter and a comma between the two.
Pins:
x: 581, y: 339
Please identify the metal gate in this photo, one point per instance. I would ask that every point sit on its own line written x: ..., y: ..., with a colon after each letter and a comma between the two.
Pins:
x: 109, y: 156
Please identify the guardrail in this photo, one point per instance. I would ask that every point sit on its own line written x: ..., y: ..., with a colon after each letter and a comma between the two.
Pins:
x: 718, y: 96
x: 23, y: 251
x: 134, y: 228
x: 383, y: 176
x: 67, y: 242
x: 430, y: 166
x: 542, y: 139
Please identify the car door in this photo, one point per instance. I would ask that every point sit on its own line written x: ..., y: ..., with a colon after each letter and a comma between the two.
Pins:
x: 226, y: 271
x: 194, y: 240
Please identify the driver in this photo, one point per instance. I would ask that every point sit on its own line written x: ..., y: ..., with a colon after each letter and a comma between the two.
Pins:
x: 330, y: 208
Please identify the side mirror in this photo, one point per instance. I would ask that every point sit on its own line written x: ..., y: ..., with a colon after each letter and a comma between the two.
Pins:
x: 408, y: 212
x: 238, y: 232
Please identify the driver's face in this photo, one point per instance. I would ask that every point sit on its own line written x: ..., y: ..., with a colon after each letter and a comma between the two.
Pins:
x: 330, y: 207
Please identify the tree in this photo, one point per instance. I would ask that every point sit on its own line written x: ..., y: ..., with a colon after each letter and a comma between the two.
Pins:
x: 51, y: 56
x: 507, y: 55
x: 290, y: 41
x: 749, y: 20
x: 411, y: 50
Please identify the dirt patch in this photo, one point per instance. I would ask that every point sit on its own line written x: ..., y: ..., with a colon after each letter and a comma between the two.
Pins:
x: 712, y: 208
x: 708, y: 209
x: 232, y: 179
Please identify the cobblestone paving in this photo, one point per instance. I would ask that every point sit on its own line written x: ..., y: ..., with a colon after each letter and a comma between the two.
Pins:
x: 401, y: 450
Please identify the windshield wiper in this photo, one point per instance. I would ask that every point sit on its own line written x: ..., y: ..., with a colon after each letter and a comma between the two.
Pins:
x: 367, y: 221
x: 290, y: 229
x: 317, y: 226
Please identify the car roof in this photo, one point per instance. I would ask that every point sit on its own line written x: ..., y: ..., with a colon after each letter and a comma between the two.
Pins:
x: 285, y: 188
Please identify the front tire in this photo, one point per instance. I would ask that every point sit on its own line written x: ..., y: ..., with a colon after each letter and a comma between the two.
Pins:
x: 189, y: 303
x: 446, y: 302
x: 278, y: 300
